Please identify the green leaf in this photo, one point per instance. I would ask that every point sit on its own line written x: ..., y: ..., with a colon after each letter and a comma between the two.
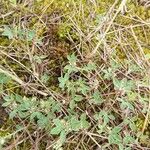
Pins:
x: 58, y: 127
x: 22, y: 114
x: 123, y: 84
x: 26, y: 105
x: 30, y: 35
x: 121, y: 147
x: 4, y: 79
x: 70, y: 69
x: 89, y: 67
x: 128, y: 139
x: 84, y: 124
x: 56, y: 107
x: 19, y: 127
x: 56, y: 131
x: 103, y: 115
x: 112, y: 117
x: 72, y: 59
x: 96, y: 99
x: 9, y: 99
x: 43, y: 122
x: 36, y: 114
x: 82, y: 87
x: 108, y: 73
x: 63, y: 136
x: 74, y: 123
x: 71, y: 87
x: 63, y: 80
x: 114, y: 64
x: 6, y: 104
x: 45, y: 78
x: 18, y: 98
x: 116, y: 130
x: 26, y: 34
x: 72, y: 104
x: 8, y: 32
x: 13, y: 113
x: 125, y: 104
x: 78, y: 98
x: 132, y: 126
x: 114, y: 137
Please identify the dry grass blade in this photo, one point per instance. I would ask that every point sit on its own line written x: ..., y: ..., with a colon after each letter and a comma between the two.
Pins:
x: 15, y: 78
x: 123, y: 3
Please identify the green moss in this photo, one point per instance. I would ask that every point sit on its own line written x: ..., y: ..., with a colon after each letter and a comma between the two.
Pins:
x: 4, y: 133
x: 4, y: 41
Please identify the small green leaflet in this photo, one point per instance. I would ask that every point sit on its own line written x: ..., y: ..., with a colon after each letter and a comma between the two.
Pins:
x: 62, y: 136
x: 45, y: 78
x: 114, y: 136
x: 30, y: 35
x: 70, y: 69
x: 72, y: 59
x: 60, y: 141
x: 4, y: 79
x: 89, y: 67
x: 13, y: 113
x: 105, y: 117
x: 125, y: 104
x: 96, y: 98
x: 78, y: 124
x: 22, y: 34
x: 27, y: 34
x: 74, y: 123
x: 71, y: 87
x: 123, y: 84
x: 43, y: 122
x: 128, y: 139
x: 78, y: 98
x: 82, y: 87
x: 72, y: 104
x: 108, y: 73
x: 84, y: 124
x: 8, y: 32
x: 58, y: 127
x: 63, y: 80
x: 55, y: 106
x: 12, y: 98
x: 37, y: 115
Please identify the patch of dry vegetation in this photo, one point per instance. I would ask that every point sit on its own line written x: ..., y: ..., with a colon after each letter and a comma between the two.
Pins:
x: 74, y: 74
